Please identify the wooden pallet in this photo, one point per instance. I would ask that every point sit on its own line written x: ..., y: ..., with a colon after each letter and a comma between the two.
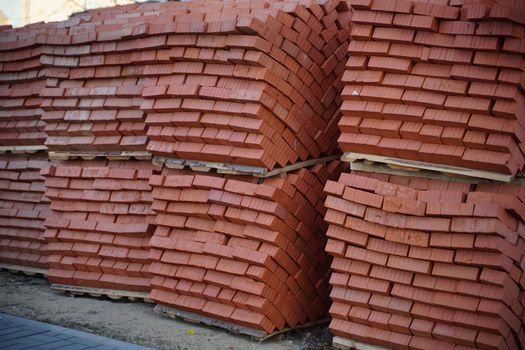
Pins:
x: 125, y: 155
x: 22, y: 149
x: 231, y: 327
x: 114, y: 294
x: 367, y: 166
x: 347, y: 344
x: 228, y: 168
x: 26, y: 270
x: 412, y: 167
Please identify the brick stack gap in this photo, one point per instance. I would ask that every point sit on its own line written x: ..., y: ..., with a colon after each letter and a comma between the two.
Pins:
x: 23, y: 206
x: 440, y: 83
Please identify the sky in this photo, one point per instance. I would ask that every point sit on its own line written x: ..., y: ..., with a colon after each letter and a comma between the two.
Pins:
x: 12, y: 9
x: 49, y: 10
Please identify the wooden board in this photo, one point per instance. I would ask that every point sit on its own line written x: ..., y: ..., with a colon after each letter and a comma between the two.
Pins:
x: 416, y: 166
x: 227, y: 168
x: 27, y: 270
x: 22, y: 149
x: 139, y: 155
x: 385, y: 169
x: 346, y: 344
x: 98, y: 292
x: 257, y: 334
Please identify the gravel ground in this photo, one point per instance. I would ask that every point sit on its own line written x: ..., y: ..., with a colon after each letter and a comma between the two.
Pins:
x: 31, y: 297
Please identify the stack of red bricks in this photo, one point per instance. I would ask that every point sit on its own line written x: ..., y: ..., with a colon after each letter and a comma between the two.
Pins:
x: 175, y: 70
x: 420, y: 263
x: 438, y: 81
x: 99, y: 230
x: 183, y: 64
x: 242, y: 250
x: 94, y: 105
x: 22, y: 77
x: 252, y: 82
x: 23, y: 209
x: 426, y: 264
x: 23, y: 206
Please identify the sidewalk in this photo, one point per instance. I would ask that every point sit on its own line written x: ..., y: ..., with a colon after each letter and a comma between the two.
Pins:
x: 20, y: 333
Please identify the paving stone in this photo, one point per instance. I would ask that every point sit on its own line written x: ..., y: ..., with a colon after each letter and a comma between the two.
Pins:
x: 21, y: 333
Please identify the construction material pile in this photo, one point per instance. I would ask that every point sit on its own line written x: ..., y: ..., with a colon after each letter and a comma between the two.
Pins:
x: 440, y: 82
x: 425, y: 263
x: 99, y: 229
x: 22, y: 77
x: 242, y: 85
x: 94, y: 103
x: 240, y: 249
x: 175, y: 70
x: 23, y: 206
x: 249, y: 83
x: 422, y: 263
x: 23, y: 209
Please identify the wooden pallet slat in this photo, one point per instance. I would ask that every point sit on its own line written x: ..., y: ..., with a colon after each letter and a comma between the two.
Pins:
x: 347, y: 344
x: 235, y: 169
x: 98, y: 292
x: 412, y: 167
x: 125, y: 155
x: 257, y: 334
x: 26, y: 270
x: 22, y: 149
x: 385, y: 169
x: 208, y: 321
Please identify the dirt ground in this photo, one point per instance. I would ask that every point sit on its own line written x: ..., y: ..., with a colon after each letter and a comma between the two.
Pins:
x: 32, y: 298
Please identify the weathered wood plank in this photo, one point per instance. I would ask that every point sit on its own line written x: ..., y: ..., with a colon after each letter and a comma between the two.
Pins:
x: 416, y: 166
x: 110, y: 293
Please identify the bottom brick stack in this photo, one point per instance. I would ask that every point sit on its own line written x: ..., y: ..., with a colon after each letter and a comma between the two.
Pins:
x: 245, y: 250
x: 23, y: 209
x: 101, y: 223
x: 426, y: 264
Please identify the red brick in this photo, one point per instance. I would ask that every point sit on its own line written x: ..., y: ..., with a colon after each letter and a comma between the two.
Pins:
x: 455, y: 271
